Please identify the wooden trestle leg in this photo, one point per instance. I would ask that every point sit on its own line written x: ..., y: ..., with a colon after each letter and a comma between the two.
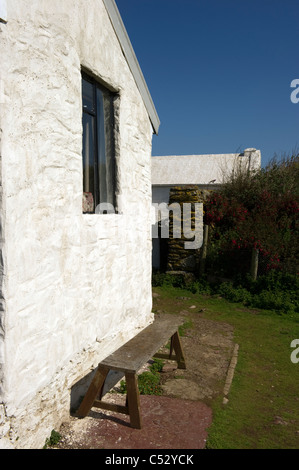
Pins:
x: 94, y: 388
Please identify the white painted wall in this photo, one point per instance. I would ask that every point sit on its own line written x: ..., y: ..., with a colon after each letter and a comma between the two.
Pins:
x: 75, y: 286
x: 172, y: 170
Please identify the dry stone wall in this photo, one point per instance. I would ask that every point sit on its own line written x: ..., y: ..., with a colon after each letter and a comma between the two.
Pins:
x: 181, y: 259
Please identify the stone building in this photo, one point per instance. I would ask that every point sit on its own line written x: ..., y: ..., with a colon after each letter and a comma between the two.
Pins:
x: 76, y: 125
x: 204, y: 172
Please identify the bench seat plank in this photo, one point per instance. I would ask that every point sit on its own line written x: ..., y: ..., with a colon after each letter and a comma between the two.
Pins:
x: 135, y: 353
x: 129, y: 359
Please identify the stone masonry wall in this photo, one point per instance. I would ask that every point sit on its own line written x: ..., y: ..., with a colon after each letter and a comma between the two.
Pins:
x: 179, y: 258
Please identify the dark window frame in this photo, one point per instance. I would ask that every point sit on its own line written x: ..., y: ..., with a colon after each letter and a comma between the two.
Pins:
x: 97, y: 86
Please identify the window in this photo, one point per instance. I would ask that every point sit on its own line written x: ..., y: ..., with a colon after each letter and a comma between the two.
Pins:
x: 98, y: 145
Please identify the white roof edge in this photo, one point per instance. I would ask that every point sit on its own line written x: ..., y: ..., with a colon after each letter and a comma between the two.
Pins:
x: 169, y: 157
x: 132, y: 61
x: 244, y: 153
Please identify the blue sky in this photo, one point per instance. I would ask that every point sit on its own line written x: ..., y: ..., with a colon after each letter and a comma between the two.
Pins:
x: 219, y: 72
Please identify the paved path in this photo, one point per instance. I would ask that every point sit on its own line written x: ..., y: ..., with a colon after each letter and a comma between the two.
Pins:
x: 181, y: 417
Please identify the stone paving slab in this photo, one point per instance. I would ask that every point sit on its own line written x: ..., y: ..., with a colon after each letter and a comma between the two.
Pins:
x: 168, y: 423
x: 180, y: 418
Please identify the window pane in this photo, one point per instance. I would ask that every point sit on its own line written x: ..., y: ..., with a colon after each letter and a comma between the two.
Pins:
x: 101, y: 146
x: 105, y: 146
x: 88, y: 96
x: 88, y: 154
x: 98, y: 145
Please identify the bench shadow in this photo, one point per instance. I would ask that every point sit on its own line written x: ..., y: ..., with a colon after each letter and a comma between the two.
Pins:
x: 79, y: 390
x: 80, y: 387
x: 98, y: 415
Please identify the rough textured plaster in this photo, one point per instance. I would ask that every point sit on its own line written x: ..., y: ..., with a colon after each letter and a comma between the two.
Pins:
x: 77, y: 286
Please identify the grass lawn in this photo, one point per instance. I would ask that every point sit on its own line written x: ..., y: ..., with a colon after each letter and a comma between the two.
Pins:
x: 263, y: 407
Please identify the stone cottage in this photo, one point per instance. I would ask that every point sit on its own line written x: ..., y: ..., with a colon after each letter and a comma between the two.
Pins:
x: 204, y: 172
x: 76, y: 125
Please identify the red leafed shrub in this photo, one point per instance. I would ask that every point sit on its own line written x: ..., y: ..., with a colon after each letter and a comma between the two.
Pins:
x: 257, y: 211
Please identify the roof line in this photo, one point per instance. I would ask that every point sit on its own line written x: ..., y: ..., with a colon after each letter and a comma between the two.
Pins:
x: 132, y: 61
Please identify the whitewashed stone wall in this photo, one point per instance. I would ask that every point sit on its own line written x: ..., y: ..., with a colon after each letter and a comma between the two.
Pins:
x: 173, y: 170
x: 75, y: 287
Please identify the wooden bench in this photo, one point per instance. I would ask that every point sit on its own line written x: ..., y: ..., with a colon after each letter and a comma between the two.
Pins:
x: 129, y: 359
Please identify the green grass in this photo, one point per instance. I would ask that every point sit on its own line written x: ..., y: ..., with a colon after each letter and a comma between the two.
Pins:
x: 263, y: 407
x: 148, y: 381
x: 185, y: 326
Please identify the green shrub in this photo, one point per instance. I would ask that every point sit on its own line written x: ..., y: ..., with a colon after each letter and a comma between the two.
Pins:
x: 275, y: 300
x: 158, y: 279
x: 149, y: 381
x: 123, y: 387
x: 157, y: 365
x: 149, y: 384
x: 277, y: 291
x: 53, y: 439
x: 234, y: 294
x: 201, y: 286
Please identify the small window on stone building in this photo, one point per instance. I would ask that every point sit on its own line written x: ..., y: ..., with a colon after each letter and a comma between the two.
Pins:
x: 98, y: 145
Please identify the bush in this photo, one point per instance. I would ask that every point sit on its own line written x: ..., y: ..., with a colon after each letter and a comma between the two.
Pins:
x: 157, y: 366
x: 201, y: 286
x: 149, y: 384
x: 239, y: 294
x: 275, y: 291
x: 255, y: 211
x: 53, y: 439
x: 160, y: 279
x: 149, y: 381
x: 180, y: 281
x: 278, y: 301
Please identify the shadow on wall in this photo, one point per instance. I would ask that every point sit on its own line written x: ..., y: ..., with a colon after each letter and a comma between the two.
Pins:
x: 80, y: 388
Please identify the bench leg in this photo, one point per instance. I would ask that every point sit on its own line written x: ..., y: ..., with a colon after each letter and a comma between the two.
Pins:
x: 133, y: 398
x: 94, y: 388
x: 176, y: 344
